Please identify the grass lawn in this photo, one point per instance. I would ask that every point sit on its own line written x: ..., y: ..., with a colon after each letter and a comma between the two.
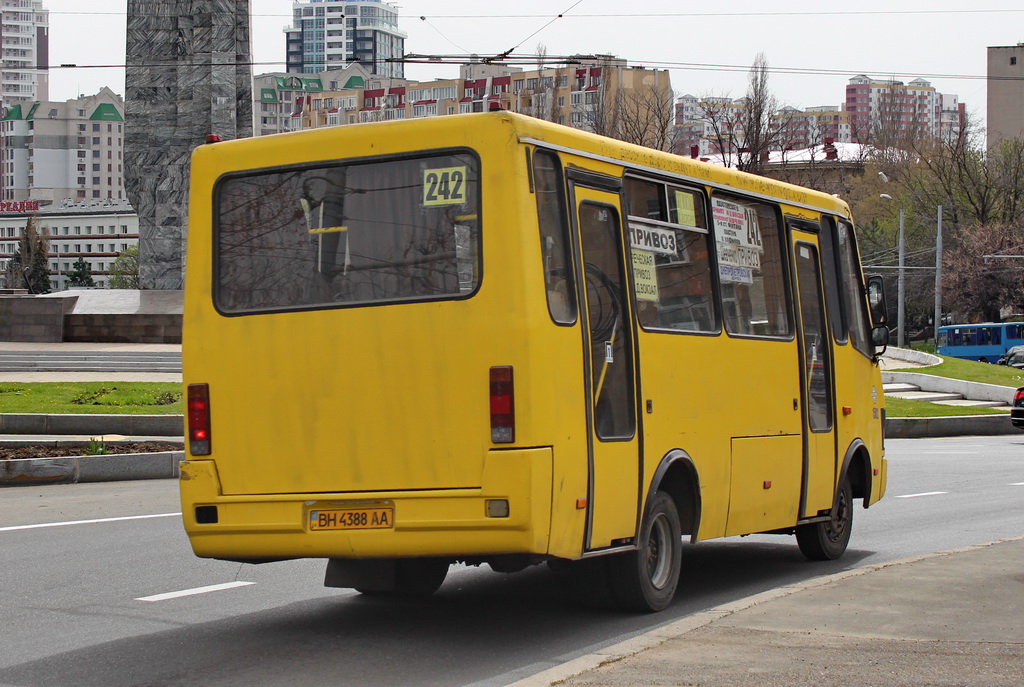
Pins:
x: 971, y: 371
x: 954, y: 368
x: 901, y: 407
x: 122, y: 398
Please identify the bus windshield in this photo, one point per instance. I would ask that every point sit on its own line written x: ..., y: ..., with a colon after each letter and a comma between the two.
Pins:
x: 347, y: 234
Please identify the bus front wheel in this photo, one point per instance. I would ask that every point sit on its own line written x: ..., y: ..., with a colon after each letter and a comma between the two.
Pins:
x: 645, y: 579
x: 827, y: 540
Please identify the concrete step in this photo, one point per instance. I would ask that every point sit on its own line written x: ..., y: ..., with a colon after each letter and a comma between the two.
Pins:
x: 899, y: 387
x: 112, y: 361
x: 930, y: 396
x: 967, y: 403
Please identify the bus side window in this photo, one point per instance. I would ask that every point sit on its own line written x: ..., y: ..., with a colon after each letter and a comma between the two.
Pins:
x: 854, y: 310
x: 832, y: 273
x: 671, y: 259
x: 554, y: 236
x: 751, y: 267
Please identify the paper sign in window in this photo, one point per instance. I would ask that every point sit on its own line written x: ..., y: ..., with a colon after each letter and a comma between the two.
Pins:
x: 444, y: 186
x: 645, y: 275
x: 685, y: 213
x: 737, y: 234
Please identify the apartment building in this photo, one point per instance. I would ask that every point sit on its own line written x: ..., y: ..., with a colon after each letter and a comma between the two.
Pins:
x: 25, y: 48
x: 600, y: 94
x: 1005, y: 99
x: 887, y: 106
x: 56, y: 150
x: 328, y: 34
x: 97, y: 231
x: 707, y: 126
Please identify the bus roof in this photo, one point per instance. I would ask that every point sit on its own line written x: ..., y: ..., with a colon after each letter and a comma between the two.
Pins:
x: 533, y: 131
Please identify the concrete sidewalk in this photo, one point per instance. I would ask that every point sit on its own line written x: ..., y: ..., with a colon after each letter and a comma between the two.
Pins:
x: 951, y: 618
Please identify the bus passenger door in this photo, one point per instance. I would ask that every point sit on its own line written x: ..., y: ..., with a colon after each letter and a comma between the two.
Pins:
x: 613, y: 501
x: 816, y: 379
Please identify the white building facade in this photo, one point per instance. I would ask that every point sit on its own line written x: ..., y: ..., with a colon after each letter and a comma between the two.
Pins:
x: 56, y: 150
x: 25, y: 49
x: 328, y: 34
x: 96, y: 231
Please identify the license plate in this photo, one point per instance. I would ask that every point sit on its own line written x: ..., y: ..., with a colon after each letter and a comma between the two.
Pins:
x: 352, y: 519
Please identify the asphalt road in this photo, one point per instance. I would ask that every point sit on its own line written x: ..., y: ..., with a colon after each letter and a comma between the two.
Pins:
x: 102, y: 603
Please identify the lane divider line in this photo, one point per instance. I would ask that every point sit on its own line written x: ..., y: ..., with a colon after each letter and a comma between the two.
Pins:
x: 927, y: 493
x: 193, y: 592
x: 88, y: 522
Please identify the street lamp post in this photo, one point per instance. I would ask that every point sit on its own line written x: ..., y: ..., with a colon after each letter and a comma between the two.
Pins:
x: 900, y: 288
x: 938, y: 275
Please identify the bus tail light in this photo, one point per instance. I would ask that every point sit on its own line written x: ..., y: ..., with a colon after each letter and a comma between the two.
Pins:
x: 199, y: 419
x: 503, y: 408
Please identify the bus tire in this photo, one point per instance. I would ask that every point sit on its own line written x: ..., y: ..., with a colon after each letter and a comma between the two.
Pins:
x: 827, y: 540
x: 645, y: 580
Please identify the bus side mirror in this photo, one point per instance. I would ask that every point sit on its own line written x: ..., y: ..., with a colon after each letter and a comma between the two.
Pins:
x: 880, y: 339
x: 879, y: 316
x: 876, y: 299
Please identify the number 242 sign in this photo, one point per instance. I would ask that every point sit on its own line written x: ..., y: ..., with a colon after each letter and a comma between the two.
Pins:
x: 444, y: 186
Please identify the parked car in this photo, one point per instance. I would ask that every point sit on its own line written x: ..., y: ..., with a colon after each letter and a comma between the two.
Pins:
x: 1014, y: 357
x: 1017, y: 409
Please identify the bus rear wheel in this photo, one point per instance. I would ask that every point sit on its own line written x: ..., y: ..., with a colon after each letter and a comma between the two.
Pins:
x: 827, y: 540
x: 645, y: 579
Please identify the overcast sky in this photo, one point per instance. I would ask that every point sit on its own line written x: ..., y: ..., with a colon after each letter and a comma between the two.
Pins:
x: 812, y: 53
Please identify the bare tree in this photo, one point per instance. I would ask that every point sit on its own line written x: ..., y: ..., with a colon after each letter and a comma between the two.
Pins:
x: 646, y: 111
x: 762, y: 130
x: 719, y: 114
x: 977, y: 288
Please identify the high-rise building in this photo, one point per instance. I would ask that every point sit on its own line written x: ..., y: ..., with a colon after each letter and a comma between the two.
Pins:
x: 328, y: 34
x: 54, y: 151
x: 886, y: 107
x: 1005, y: 93
x: 25, y: 48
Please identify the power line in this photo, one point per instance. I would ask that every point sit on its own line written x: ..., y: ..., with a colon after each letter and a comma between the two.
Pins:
x: 638, y: 15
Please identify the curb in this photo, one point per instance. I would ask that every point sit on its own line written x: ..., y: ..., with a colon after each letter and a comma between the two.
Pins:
x: 673, y: 630
x: 81, y: 469
x: 84, y: 424
x: 951, y: 426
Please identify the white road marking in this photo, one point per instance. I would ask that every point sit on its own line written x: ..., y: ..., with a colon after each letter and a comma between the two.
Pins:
x: 193, y: 592
x: 88, y: 522
x: 927, y: 493
x: 1017, y: 484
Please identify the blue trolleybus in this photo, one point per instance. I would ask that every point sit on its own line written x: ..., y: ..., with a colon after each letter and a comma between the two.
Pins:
x: 985, y: 342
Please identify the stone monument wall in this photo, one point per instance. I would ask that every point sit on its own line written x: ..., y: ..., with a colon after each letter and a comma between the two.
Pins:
x: 189, y: 75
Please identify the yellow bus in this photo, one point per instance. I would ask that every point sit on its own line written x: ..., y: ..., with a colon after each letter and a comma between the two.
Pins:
x: 491, y: 339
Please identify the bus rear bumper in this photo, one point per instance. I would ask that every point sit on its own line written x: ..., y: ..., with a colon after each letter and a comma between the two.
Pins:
x: 450, y: 522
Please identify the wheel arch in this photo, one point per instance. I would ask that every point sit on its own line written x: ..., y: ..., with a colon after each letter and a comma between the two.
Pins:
x: 677, y: 476
x: 856, y: 466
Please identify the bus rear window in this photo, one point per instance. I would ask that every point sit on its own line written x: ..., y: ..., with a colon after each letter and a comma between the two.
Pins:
x: 348, y: 234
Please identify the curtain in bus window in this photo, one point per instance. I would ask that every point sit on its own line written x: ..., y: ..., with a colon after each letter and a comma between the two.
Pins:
x: 356, y: 234
x: 750, y: 267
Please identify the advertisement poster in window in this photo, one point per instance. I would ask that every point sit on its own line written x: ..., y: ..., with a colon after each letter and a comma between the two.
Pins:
x: 738, y: 239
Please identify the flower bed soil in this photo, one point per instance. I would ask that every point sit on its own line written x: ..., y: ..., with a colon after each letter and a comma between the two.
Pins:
x: 66, y: 450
